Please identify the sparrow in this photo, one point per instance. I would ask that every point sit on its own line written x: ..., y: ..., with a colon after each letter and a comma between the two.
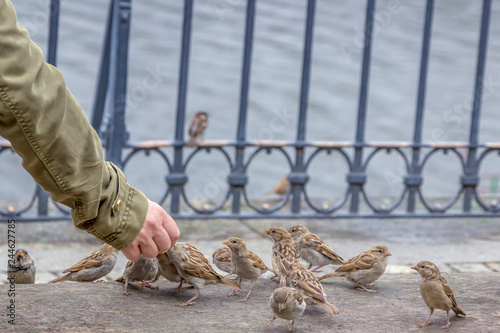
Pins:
x: 284, y: 249
x: 281, y: 187
x: 304, y: 281
x: 197, y: 127
x: 92, y: 267
x: 287, y: 303
x: 193, y: 267
x: 312, y: 249
x: 167, y: 269
x: 436, y: 292
x: 247, y: 265
x: 140, y: 270
x: 23, y: 268
x: 365, y: 268
x: 222, y: 259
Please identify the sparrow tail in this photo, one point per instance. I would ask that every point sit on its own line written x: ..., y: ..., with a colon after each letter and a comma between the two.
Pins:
x: 458, y: 311
x: 61, y: 278
x: 191, y: 142
x: 326, y: 276
x: 329, y: 308
x: 230, y: 283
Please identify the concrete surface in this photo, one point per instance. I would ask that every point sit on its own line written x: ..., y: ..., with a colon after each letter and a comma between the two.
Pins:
x: 466, y: 251
x: 398, y: 307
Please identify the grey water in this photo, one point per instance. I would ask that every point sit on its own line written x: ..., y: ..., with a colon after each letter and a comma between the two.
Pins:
x: 215, y: 75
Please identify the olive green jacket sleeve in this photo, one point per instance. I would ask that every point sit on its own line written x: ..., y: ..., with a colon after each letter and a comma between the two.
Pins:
x: 59, y: 148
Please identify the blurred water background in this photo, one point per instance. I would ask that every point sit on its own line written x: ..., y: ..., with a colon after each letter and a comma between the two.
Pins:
x: 214, y: 84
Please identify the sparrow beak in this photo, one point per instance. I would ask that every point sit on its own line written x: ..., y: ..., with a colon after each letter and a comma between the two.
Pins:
x: 20, y: 254
x: 415, y: 268
x: 226, y: 243
x: 267, y: 232
x: 281, y: 306
x: 388, y: 254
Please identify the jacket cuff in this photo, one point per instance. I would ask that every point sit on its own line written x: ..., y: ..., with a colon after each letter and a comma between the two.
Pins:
x: 122, y: 211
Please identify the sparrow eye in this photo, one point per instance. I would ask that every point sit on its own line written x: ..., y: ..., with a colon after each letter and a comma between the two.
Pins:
x: 422, y: 267
x: 234, y: 242
x: 273, y: 231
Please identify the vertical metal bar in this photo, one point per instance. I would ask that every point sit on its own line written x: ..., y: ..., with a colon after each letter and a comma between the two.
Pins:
x: 357, y: 176
x: 414, y: 178
x: 43, y: 197
x: 119, y: 41
x: 103, y: 81
x: 177, y: 178
x: 470, y: 179
x: 299, y: 178
x: 53, y: 32
x: 238, y: 178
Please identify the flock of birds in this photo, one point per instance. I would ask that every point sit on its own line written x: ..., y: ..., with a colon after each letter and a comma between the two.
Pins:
x: 296, y: 285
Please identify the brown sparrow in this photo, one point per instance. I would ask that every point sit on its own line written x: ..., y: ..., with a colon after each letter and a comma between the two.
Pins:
x: 312, y: 249
x: 284, y: 249
x: 304, y: 281
x: 197, y: 127
x: 365, y: 268
x: 167, y: 269
x: 287, y: 303
x: 140, y: 270
x: 23, y: 269
x: 92, y: 267
x: 247, y: 265
x: 281, y: 187
x: 193, y: 267
x: 436, y: 292
x: 222, y: 259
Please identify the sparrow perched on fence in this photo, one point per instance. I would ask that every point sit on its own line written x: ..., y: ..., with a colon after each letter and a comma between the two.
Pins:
x: 312, y: 249
x: 193, y: 267
x: 247, y: 265
x: 436, y: 292
x: 287, y: 303
x: 365, y: 268
x: 222, y: 259
x: 281, y: 187
x: 139, y: 271
x: 284, y: 249
x: 197, y: 127
x: 304, y: 281
x: 23, y: 269
x: 92, y: 267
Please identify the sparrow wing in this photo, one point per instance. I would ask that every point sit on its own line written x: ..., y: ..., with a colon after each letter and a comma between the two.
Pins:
x: 317, y: 244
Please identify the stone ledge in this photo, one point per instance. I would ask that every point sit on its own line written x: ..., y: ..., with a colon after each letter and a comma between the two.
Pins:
x: 398, y: 307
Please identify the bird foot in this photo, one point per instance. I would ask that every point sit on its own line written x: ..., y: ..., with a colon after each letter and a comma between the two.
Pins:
x: 370, y: 284
x: 244, y: 300
x: 368, y: 290
x: 99, y: 281
x: 446, y: 326
x: 232, y: 293
x: 270, y: 321
x: 126, y: 293
x: 147, y: 285
x: 425, y: 324
x: 186, y: 304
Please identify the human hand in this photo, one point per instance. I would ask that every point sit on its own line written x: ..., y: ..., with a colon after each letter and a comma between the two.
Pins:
x: 158, y: 234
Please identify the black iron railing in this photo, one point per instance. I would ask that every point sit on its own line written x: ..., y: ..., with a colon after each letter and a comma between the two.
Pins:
x: 240, y: 153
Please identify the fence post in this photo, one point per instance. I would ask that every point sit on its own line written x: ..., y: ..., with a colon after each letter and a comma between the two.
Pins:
x: 470, y: 178
x: 177, y: 178
x: 413, y: 180
x: 357, y: 176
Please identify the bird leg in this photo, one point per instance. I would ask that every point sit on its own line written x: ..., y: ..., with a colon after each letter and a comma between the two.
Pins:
x: 270, y: 321
x: 180, y: 286
x: 427, y: 322
x: 190, y: 302
x: 246, y: 297
x: 290, y: 327
x: 447, y: 320
x: 232, y: 293
x: 126, y: 293
x: 363, y: 288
